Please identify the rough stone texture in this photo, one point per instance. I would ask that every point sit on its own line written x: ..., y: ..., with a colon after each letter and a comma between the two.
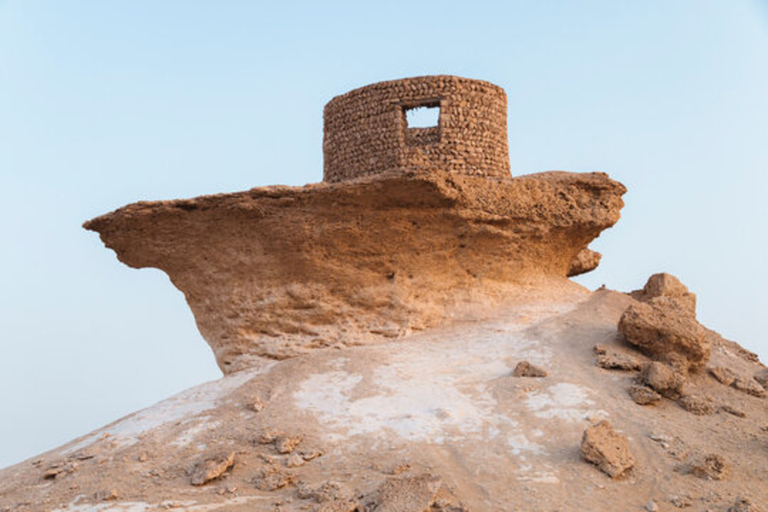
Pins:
x: 613, y: 360
x: 415, y: 493
x: 526, y: 369
x: 212, y: 468
x: 762, y: 377
x: 723, y: 375
x: 699, y: 405
x: 279, y: 271
x: 744, y: 505
x: 664, y: 379
x: 709, y: 467
x: 749, y: 386
x: 666, y: 331
x: 643, y: 395
x: 366, y: 130
x: 607, y: 449
x: 667, y: 285
x: 586, y: 261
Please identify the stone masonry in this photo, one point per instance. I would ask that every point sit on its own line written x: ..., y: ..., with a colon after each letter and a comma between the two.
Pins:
x: 367, y: 133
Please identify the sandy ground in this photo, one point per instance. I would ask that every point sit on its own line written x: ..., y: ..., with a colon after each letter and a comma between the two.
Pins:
x: 435, y: 420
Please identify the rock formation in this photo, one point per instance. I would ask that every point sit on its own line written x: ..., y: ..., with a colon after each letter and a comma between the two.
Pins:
x: 375, y: 332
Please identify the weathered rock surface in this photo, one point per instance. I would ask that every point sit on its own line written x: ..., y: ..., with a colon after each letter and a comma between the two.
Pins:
x: 665, y: 330
x: 663, y: 379
x: 667, y: 285
x: 279, y: 271
x: 526, y: 369
x: 607, y: 449
x: 643, y: 395
x: 586, y: 261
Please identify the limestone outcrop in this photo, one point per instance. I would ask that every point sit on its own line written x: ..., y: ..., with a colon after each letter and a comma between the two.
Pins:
x: 277, y: 271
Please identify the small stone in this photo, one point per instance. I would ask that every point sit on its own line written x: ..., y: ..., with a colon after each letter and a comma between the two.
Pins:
x: 643, y: 395
x: 681, y: 501
x: 743, y: 505
x: 607, y: 449
x: 286, y: 444
x: 663, y: 379
x: 698, y: 405
x: 749, y: 386
x: 723, y: 375
x: 709, y: 467
x: 733, y: 411
x: 257, y: 405
x: 651, y: 506
x: 212, y: 468
x: 272, y: 479
x: 526, y: 369
x: 107, y: 495
x: 611, y: 360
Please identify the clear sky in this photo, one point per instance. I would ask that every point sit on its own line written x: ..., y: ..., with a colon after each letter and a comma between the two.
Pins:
x: 106, y: 103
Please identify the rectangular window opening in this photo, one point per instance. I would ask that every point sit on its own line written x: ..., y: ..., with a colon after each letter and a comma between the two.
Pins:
x: 422, y: 116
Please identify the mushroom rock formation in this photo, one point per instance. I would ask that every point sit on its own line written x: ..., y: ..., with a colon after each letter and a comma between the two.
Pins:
x: 447, y: 274
x: 373, y: 253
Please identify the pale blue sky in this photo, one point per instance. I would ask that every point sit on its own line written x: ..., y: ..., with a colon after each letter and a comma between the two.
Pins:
x: 106, y: 103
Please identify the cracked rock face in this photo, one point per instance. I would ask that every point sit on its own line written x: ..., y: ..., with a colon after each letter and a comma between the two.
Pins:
x: 278, y: 271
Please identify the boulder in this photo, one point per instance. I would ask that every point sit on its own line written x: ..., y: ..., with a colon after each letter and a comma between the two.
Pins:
x: 607, y: 449
x: 663, y: 379
x: 585, y: 261
x: 643, y: 395
x: 666, y: 331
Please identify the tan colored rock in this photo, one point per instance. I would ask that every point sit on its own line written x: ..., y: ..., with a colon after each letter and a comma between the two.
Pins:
x: 416, y: 493
x: 526, y: 369
x: 744, y: 505
x: 643, y: 395
x: 276, y: 272
x: 585, y: 261
x: 749, y: 386
x: 699, y: 405
x: 663, y: 379
x: 723, y: 375
x: 667, y: 285
x: 667, y: 332
x: 709, y: 467
x: 212, y: 468
x: 762, y: 377
x: 272, y: 478
x: 608, y: 450
x: 612, y: 360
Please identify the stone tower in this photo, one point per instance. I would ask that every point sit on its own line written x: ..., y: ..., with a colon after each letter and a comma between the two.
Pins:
x: 367, y: 132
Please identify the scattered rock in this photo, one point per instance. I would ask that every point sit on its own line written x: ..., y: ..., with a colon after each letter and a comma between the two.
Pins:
x: 667, y: 285
x: 749, y: 386
x: 585, y: 261
x: 257, y: 405
x: 666, y: 331
x: 733, y: 411
x: 612, y: 360
x: 709, y: 467
x: 212, y: 468
x: 681, y: 501
x: 107, y: 495
x: 60, y: 469
x: 607, y: 449
x: 643, y: 395
x: 526, y: 369
x: 762, y: 377
x: 723, y: 375
x: 664, y: 379
x: 743, y: 505
x: 401, y: 494
x: 272, y: 479
x: 699, y: 405
x: 284, y: 443
x: 651, y: 506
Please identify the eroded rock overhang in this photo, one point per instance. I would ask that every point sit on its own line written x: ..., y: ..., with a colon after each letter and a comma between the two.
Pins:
x: 277, y: 271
